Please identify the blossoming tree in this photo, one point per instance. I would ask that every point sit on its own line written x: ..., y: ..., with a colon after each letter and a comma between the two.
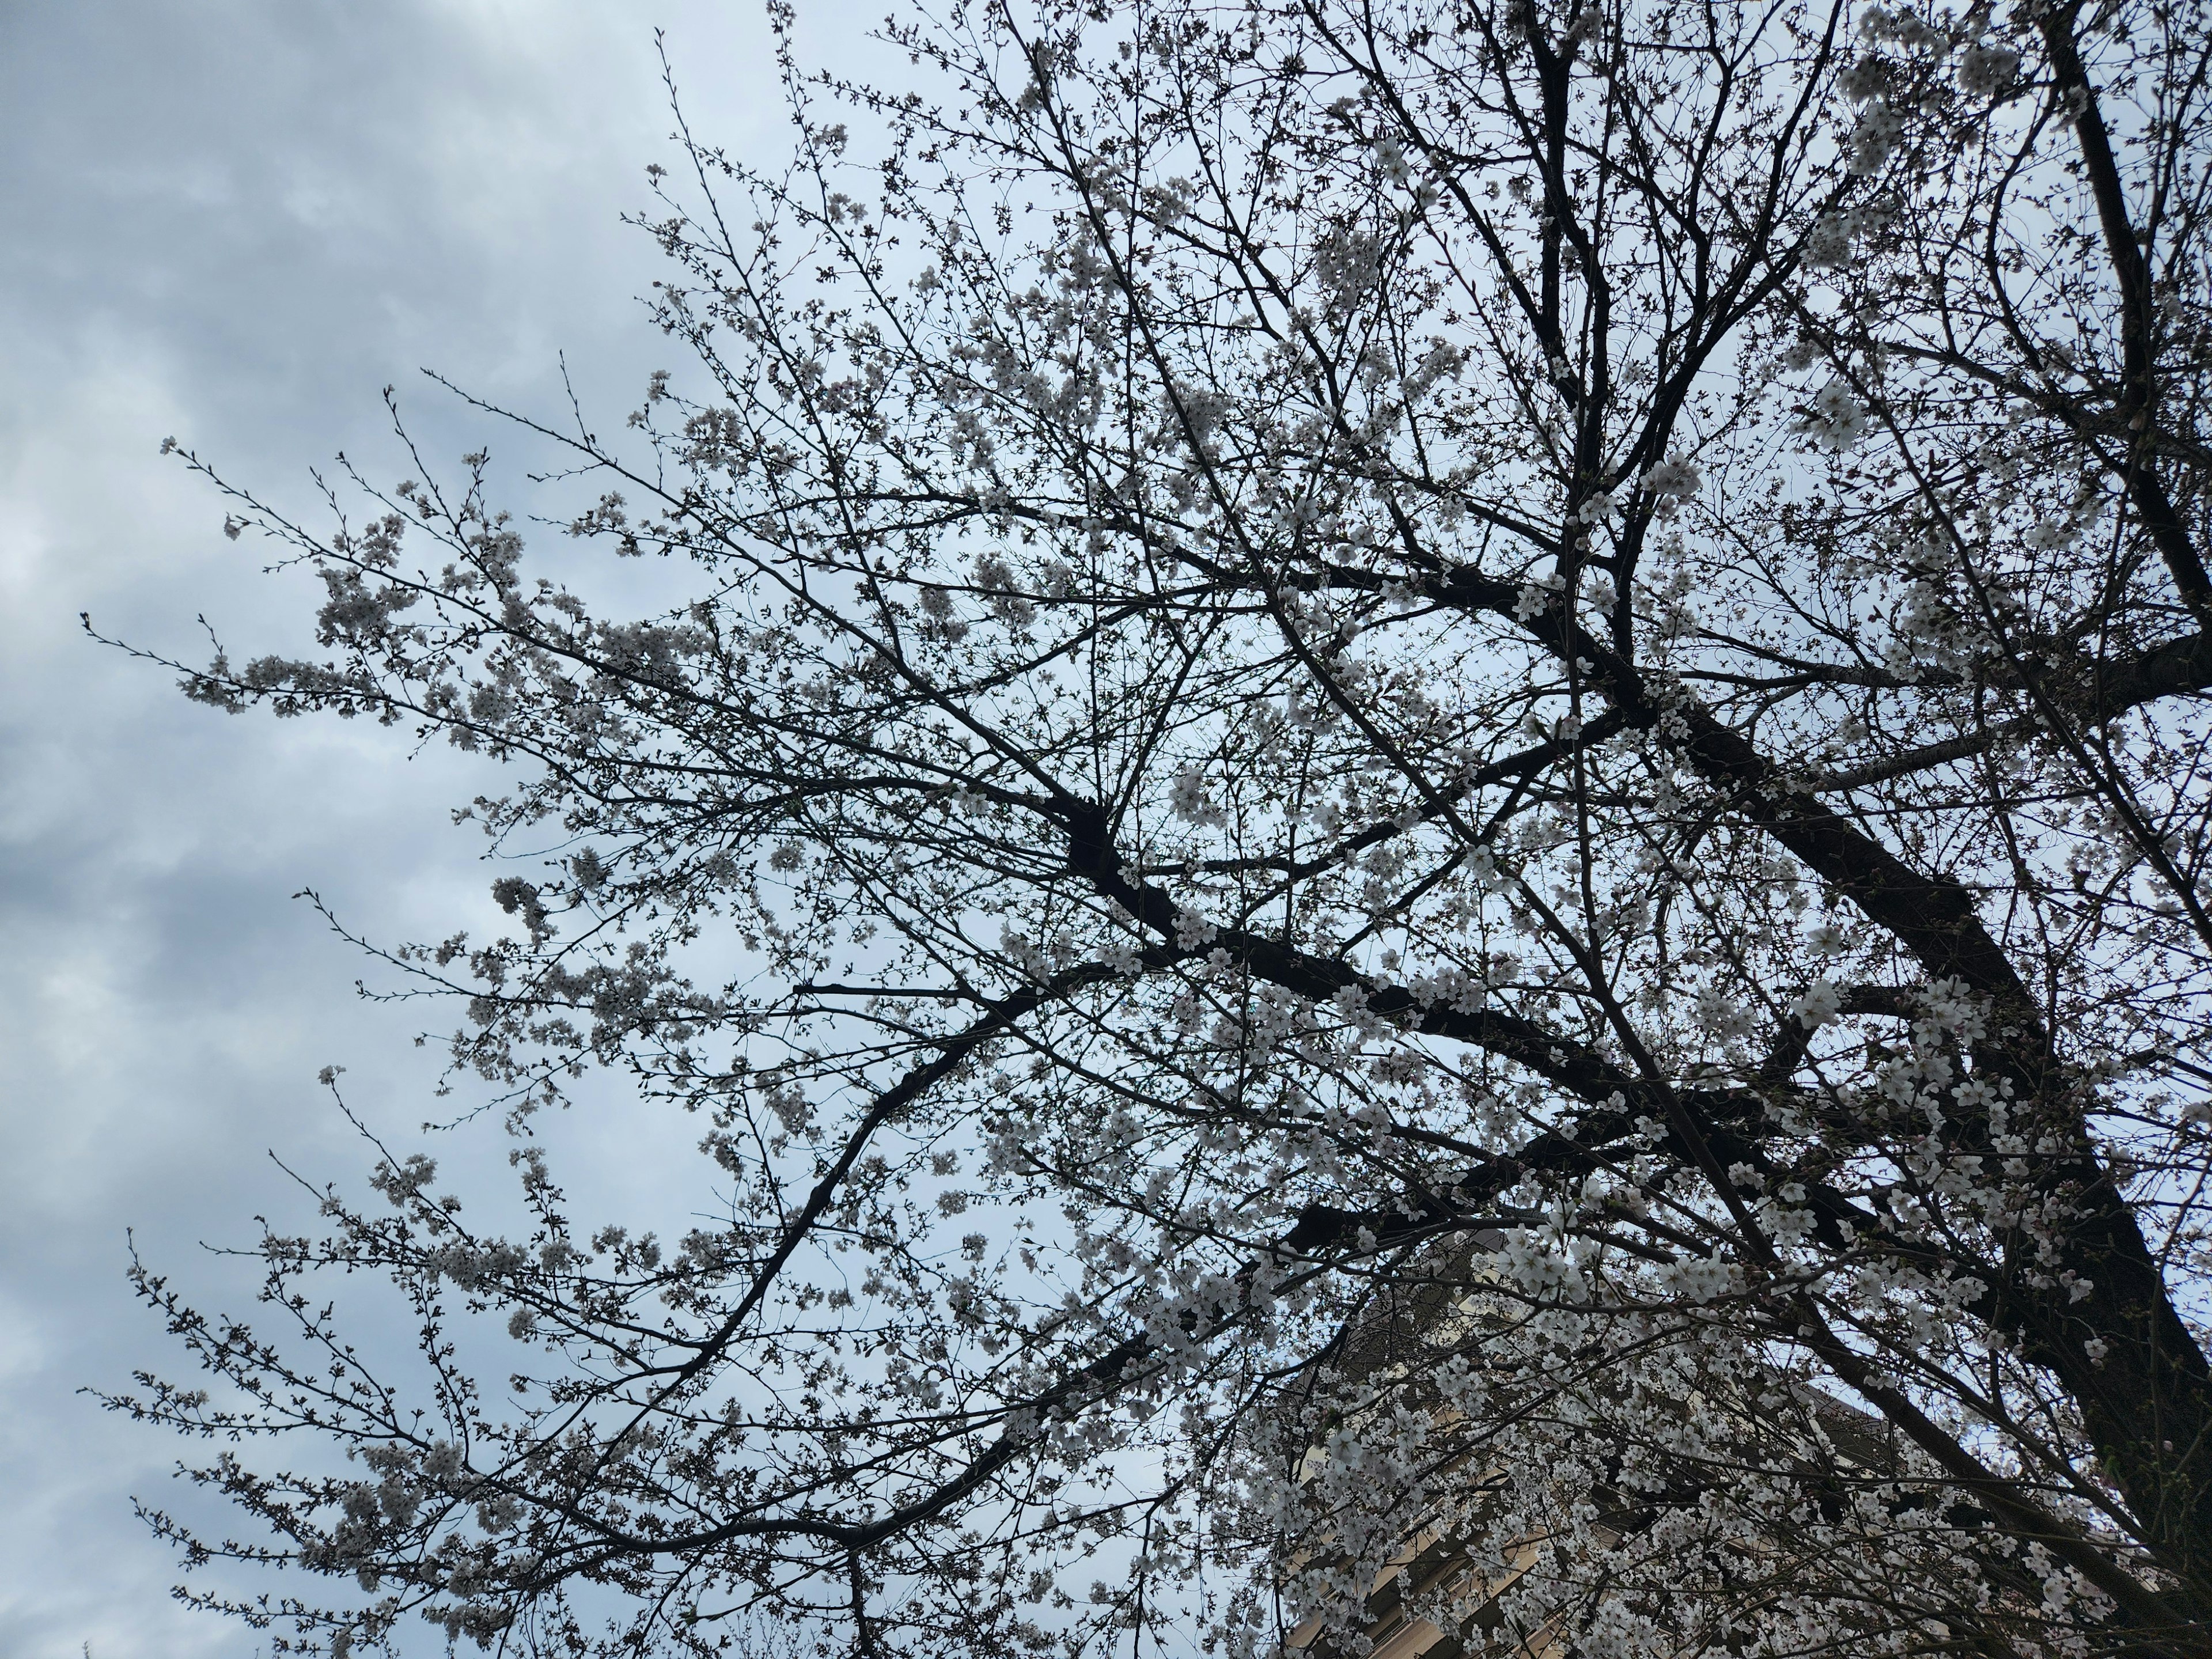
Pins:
x: 1521, y: 674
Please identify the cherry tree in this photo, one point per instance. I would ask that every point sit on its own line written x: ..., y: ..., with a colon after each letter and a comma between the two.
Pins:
x: 1427, y: 817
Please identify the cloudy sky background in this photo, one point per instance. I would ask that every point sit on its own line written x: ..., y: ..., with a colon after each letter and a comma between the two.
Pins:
x: 234, y: 223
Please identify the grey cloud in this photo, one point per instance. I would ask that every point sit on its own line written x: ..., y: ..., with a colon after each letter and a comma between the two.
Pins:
x: 233, y: 223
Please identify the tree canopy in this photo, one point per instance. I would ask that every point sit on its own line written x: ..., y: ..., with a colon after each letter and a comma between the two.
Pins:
x: 1431, y: 781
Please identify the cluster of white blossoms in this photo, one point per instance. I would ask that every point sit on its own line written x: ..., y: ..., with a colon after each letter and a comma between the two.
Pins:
x: 1829, y: 243
x: 1818, y: 1004
x: 1836, y: 420
x: 1874, y: 137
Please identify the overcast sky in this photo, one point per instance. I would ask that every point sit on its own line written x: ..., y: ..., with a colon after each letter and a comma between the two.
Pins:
x: 234, y: 221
